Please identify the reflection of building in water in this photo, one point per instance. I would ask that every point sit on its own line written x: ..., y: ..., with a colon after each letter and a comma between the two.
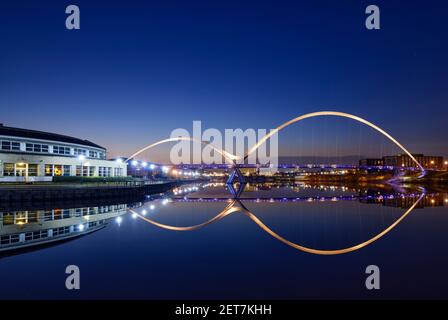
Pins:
x: 406, y: 201
x: 20, y: 229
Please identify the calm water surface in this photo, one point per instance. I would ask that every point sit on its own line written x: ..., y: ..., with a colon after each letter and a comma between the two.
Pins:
x: 123, y: 256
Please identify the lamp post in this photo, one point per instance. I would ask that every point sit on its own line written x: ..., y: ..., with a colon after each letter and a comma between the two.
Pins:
x: 82, y: 157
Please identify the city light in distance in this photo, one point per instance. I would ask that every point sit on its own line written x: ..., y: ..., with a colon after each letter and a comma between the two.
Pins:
x: 134, y: 162
x: 119, y: 160
x: 119, y: 220
x: 144, y: 164
x: 81, y: 227
x: 134, y: 216
x: 152, y: 166
x: 152, y: 207
x: 144, y: 212
x: 81, y: 157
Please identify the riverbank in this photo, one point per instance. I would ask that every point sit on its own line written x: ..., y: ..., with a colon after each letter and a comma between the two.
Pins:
x: 430, y: 178
x: 82, y: 191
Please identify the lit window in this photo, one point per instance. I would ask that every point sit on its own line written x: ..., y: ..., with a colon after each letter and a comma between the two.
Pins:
x: 49, y: 170
x: 8, y: 169
x: 58, y: 170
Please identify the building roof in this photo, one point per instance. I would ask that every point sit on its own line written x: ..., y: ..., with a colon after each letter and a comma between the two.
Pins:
x: 34, y: 134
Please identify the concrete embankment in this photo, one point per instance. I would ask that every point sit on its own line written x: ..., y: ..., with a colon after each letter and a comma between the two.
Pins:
x: 58, y: 192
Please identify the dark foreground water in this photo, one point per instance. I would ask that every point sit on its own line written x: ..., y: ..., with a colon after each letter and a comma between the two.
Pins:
x: 127, y: 257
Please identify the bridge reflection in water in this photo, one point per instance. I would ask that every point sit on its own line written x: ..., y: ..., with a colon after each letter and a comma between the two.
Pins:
x: 409, y: 201
x: 28, y: 228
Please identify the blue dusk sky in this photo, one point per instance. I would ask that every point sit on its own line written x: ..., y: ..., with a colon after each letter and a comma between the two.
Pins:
x: 136, y: 70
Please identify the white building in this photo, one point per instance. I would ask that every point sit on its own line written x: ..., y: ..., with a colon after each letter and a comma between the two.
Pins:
x: 29, y: 155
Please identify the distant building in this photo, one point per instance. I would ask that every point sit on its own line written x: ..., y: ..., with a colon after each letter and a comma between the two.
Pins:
x: 29, y: 155
x: 428, y: 162
x: 371, y: 162
x: 403, y: 160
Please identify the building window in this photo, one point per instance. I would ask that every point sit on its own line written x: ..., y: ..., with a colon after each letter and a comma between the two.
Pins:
x: 6, y: 145
x: 61, y: 150
x: 80, y: 152
x: 104, y: 171
x: 93, y: 154
x: 57, y: 170
x: 9, y: 239
x: 8, y: 169
x: 49, y: 170
x: 10, y: 145
x: 84, y: 171
x: 15, y: 146
x: 20, y: 169
x: 32, y: 170
x: 102, y: 155
x: 118, y: 172
x: 35, y: 147
x: 66, y: 170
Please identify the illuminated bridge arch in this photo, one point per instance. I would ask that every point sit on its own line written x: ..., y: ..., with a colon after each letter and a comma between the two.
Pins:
x: 228, y: 156
x: 336, y: 114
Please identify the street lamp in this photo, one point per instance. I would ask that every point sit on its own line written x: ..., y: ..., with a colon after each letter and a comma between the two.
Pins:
x: 81, y: 158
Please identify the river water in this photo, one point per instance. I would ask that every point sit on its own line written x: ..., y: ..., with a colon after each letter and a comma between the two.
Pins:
x: 198, y: 242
